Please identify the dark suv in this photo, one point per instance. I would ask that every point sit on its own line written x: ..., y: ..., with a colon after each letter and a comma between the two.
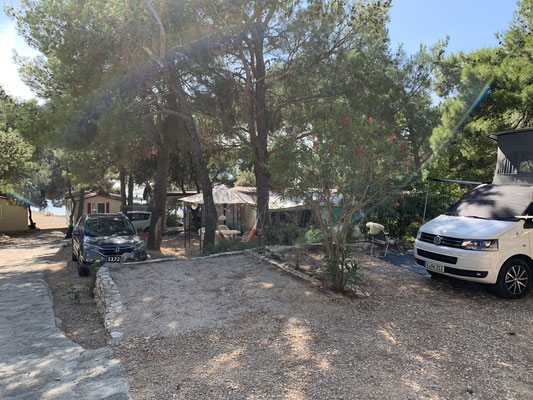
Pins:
x: 104, y: 238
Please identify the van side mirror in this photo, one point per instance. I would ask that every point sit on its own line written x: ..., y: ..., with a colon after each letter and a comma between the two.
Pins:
x: 528, y: 220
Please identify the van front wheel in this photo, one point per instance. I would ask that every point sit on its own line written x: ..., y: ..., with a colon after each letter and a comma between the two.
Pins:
x: 514, y: 279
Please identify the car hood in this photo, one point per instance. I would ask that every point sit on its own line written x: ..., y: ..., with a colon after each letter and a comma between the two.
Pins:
x: 467, y: 227
x: 128, y: 240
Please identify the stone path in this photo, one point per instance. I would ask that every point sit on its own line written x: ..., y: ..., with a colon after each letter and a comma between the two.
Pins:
x: 36, y: 360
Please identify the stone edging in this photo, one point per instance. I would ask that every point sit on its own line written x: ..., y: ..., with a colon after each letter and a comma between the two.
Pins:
x: 108, y: 302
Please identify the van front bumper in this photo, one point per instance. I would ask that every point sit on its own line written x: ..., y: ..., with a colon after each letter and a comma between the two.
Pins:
x: 470, y: 265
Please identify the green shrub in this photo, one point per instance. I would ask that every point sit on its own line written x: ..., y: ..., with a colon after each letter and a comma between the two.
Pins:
x: 313, y: 235
x: 73, y: 293
x: 171, y: 220
x: 225, y: 245
x: 341, y: 271
x: 283, y: 234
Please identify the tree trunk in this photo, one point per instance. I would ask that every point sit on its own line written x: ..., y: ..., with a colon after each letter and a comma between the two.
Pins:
x: 71, y: 216
x: 262, y: 177
x: 201, y: 166
x: 159, y: 199
x: 81, y: 204
x: 32, y: 224
x: 122, y: 179
x: 130, y: 191
x: 175, y: 85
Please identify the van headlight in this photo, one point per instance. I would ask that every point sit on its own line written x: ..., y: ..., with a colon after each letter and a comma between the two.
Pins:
x: 419, y: 234
x: 485, y: 245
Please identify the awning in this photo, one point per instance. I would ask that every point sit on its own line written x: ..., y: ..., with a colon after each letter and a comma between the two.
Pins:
x: 221, y: 195
x: 276, y: 203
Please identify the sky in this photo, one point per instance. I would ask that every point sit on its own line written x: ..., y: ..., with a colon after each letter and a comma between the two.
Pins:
x: 471, y: 24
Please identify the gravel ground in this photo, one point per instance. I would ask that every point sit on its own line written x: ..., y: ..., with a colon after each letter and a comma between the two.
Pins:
x: 235, y: 328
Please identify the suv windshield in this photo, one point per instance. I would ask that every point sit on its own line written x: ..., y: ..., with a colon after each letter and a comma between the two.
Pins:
x: 502, y: 202
x: 108, y: 227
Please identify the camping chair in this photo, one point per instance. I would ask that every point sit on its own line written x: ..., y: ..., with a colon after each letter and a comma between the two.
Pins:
x: 245, y: 236
x: 222, y: 228
x: 379, y: 236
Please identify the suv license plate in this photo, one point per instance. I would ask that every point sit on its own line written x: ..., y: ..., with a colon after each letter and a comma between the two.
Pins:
x: 113, y: 259
x: 435, y: 267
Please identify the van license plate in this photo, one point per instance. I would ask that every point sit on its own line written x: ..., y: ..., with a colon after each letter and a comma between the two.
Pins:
x: 113, y: 259
x: 435, y: 267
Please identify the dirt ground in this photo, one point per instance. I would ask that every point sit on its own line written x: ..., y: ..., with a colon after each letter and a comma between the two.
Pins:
x: 46, y: 220
x: 236, y: 328
x: 175, y: 245
x: 80, y: 321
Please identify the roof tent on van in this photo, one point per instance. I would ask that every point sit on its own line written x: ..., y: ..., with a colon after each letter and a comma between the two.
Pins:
x: 515, y: 156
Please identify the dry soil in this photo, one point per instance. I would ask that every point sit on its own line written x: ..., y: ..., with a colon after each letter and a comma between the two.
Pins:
x: 236, y: 328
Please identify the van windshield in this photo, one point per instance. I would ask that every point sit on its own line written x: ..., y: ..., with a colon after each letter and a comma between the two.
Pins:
x: 501, y: 202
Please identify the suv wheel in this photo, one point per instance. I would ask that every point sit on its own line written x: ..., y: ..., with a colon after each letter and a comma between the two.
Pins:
x: 82, y: 271
x: 514, y: 279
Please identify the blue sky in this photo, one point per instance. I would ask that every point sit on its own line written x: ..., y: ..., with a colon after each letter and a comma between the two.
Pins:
x: 471, y: 24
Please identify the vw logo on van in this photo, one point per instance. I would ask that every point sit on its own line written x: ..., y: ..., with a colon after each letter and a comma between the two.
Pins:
x: 437, y: 240
x: 117, y: 250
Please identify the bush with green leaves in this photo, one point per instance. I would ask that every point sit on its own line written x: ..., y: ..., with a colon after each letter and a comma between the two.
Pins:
x: 342, y: 271
x: 346, y: 163
x: 225, y: 245
x: 171, y: 220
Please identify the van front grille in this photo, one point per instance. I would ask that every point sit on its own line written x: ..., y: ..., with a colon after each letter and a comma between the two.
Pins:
x: 445, y: 240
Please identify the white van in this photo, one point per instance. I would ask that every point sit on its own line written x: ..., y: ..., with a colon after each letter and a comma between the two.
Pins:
x: 140, y: 220
x: 487, y: 236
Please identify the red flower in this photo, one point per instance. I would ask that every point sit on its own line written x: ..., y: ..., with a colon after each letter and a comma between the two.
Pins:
x: 392, y: 139
x: 317, y: 147
x: 275, y: 151
x: 345, y: 119
x: 402, y: 196
x: 354, y: 150
x: 382, y: 122
x: 330, y: 145
x: 371, y: 119
x: 403, y: 148
x: 375, y: 135
x: 360, y: 151
x: 406, y: 165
